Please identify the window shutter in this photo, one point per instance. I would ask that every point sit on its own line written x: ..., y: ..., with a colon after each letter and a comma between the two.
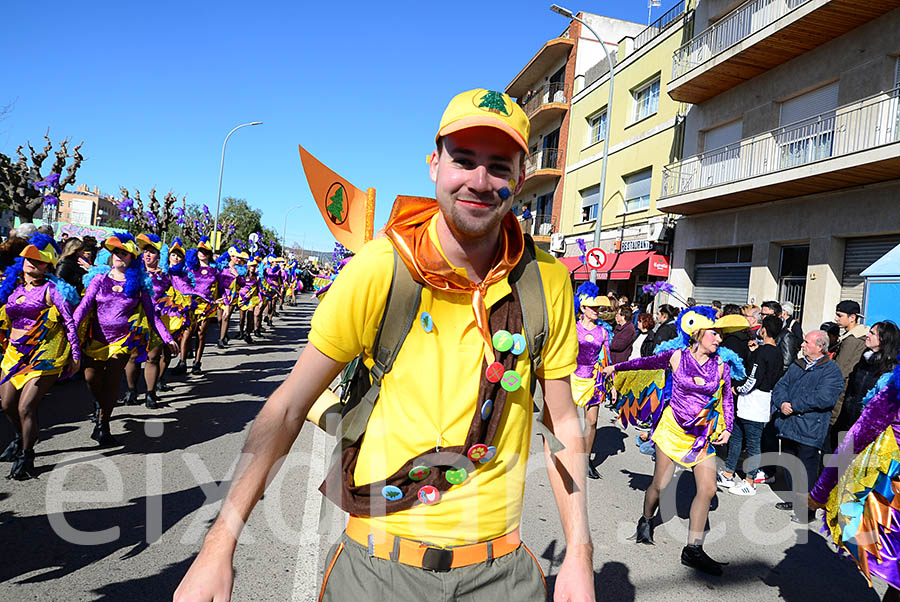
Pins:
x: 638, y: 185
x: 816, y: 102
x: 723, y: 135
x: 590, y: 196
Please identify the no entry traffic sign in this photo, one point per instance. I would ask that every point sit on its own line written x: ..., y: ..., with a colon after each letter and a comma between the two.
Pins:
x: 595, y: 258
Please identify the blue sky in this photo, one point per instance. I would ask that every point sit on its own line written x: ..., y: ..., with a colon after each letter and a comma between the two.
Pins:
x: 153, y: 88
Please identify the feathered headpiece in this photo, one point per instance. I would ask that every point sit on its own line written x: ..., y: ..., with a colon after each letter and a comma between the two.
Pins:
x: 122, y: 240
x: 149, y: 240
x: 42, y: 247
x: 589, y: 294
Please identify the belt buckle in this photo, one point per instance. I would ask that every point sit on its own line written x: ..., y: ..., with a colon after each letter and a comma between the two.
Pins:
x: 437, y: 560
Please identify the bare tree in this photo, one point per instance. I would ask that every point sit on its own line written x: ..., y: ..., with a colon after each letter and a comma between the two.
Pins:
x: 17, y: 180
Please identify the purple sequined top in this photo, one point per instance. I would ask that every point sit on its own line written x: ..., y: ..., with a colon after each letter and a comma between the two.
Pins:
x: 273, y: 276
x: 688, y: 397
x: 206, y: 278
x: 882, y: 411
x: 114, y: 309
x: 161, y: 283
x: 22, y: 316
x: 226, y: 277
x: 590, y: 344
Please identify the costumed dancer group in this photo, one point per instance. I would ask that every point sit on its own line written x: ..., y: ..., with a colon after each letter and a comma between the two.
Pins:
x: 144, y: 302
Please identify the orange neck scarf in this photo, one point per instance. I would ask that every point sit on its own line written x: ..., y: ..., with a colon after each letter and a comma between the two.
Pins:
x: 407, y: 228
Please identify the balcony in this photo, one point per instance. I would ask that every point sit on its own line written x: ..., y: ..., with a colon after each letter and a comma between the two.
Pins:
x: 540, y: 64
x: 542, y: 168
x: 853, y: 145
x: 652, y: 31
x: 758, y: 36
x: 545, y: 105
x: 539, y: 226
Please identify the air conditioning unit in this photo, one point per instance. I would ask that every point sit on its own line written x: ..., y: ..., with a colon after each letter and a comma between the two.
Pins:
x: 557, y: 242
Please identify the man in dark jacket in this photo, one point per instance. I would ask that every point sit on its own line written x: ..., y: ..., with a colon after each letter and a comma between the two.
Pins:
x: 803, y: 400
x: 665, y: 320
x: 788, y: 342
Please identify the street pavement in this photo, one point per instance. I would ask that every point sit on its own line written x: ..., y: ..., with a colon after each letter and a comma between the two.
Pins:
x: 124, y: 524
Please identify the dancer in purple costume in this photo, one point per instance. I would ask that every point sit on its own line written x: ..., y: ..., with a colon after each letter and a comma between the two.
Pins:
x: 231, y: 280
x: 862, y: 502
x: 115, y: 300
x: 588, y: 383
x: 42, y: 342
x: 206, y: 283
x: 699, y: 415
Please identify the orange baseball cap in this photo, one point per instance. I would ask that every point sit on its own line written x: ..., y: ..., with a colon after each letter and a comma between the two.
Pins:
x: 486, y: 108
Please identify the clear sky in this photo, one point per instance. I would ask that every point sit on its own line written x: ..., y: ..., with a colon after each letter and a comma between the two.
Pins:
x: 153, y: 88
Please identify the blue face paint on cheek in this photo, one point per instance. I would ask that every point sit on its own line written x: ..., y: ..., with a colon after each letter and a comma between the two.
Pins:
x: 504, y: 193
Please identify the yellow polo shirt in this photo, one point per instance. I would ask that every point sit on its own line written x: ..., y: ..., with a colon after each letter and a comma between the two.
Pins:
x: 432, y: 390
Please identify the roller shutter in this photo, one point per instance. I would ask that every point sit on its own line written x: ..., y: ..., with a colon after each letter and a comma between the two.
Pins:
x: 728, y: 284
x: 860, y: 253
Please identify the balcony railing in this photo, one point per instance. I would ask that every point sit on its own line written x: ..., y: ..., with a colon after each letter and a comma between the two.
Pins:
x: 862, y: 125
x: 539, y: 225
x: 555, y: 92
x: 737, y: 25
x: 658, y: 26
x: 546, y: 158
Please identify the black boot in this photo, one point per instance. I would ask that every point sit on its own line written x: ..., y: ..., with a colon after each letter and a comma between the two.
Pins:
x: 247, y: 338
x: 23, y: 468
x: 195, y: 369
x: 258, y: 332
x: 161, y: 386
x: 180, y: 369
x: 692, y: 555
x: 226, y: 339
x: 104, y: 438
x: 592, y: 472
x: 95, y: 417
x: 644, y: 532
x: 131, y: 398
x: 221, y: 344
x: 12, y: 450
x: 150, y: 400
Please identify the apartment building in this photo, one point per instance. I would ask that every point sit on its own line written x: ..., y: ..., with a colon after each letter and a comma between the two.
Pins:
x: 543, y: 88
x: 790, y: 179
x: 644, y: 131
x: 86, y: 207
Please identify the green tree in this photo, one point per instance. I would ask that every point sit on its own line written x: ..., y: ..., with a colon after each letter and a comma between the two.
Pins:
x: 494, y: 101
x: 336, y: 208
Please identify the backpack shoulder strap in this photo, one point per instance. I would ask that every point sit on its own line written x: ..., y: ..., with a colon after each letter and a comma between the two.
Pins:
x: 399, y: 314
x: 526, y: 277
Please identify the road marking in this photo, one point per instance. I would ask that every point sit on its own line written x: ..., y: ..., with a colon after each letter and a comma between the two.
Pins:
x: 306, y: 570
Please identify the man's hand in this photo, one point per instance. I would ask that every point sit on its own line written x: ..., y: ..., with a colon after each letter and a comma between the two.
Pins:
x: 210, y: 578
x: 575, y: 581
x: 786, y: 408
x: 723, y: 438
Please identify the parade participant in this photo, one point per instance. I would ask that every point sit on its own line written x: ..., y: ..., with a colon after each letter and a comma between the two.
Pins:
x: 698, y: 415
x: 185, y: 298
x: 206, y: 280
x: 862, y: 500
x: 115, y: 303
x: 231, y: 280
x: 463, y: 248
x: 249, y: 303
x: 588, y: 382
x: 36, y: 320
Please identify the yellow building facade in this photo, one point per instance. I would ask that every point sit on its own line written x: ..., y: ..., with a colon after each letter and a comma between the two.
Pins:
x: 645, y: 135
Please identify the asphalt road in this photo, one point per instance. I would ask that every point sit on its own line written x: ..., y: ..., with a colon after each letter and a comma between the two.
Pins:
x: 124, y: 524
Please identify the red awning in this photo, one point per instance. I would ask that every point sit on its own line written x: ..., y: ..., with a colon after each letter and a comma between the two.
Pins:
x: 618, y: 266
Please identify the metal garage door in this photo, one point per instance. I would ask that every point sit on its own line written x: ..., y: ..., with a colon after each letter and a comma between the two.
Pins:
x: 728, y: 284
x: 859, y: 254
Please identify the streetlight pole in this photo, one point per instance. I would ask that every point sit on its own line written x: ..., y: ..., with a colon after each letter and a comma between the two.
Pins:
x: 215, y: 231
x: 598, y: 223
x: 284, y: 229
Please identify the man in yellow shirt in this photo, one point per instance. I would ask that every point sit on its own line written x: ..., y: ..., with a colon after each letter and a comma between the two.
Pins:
x: 446, y: 532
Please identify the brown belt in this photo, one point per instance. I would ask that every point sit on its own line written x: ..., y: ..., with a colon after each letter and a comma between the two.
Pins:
x: 419, y: 554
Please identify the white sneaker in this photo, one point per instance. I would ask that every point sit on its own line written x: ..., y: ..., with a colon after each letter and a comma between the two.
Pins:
x: 743, y: 488
x: 724, y: 482
x: 762, y: 478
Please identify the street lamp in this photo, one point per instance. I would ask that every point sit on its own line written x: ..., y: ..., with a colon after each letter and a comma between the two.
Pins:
x: 598, y: 223
x: 215, y: 231
x: 284, y: 229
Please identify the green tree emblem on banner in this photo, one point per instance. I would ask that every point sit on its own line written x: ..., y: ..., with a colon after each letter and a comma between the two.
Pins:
x: 494, y: 101
x: 336, y: 211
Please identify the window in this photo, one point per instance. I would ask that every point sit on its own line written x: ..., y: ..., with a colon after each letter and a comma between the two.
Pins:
x: 590, y: 203
x: 807, y: 131
x: 637, y: 190
x: 646, y: 100
x: 598, y: 124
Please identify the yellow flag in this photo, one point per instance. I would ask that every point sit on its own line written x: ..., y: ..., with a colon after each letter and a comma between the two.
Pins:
x: 343, y: 206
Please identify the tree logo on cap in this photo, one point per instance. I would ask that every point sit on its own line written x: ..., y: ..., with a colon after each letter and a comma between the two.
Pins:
x: 337, y: 203
x: 494, y: 102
